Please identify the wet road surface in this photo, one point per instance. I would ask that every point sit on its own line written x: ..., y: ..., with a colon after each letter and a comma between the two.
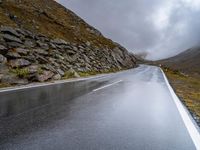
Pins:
x: 131, y: 110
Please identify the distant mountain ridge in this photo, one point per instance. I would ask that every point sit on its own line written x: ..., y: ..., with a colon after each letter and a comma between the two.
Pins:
x: 187, y: 61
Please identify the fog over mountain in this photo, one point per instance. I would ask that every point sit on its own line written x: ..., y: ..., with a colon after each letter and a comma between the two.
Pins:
x: 161, y: 28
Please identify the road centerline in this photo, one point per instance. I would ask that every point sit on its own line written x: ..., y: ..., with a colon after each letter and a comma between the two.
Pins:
x: 108, y: 85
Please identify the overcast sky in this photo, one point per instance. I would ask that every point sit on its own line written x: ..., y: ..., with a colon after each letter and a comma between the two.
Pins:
x: 163, y: 28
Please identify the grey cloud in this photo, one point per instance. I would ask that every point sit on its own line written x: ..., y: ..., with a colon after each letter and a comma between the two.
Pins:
x: 133, y: 24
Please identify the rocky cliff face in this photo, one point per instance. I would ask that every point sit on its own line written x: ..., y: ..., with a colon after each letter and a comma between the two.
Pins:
x: 41, y: 40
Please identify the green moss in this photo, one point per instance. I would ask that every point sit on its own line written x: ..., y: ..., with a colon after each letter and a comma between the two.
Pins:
x: 21, y: 72
x: 68, y: 75
x: 89, y: 73
x: 40, y: 71
x: 84, y: 74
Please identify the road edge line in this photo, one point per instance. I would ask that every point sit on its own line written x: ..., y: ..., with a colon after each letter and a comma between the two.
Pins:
x: 194, y: 133
x: 51, y: 83
x: 29, y: 86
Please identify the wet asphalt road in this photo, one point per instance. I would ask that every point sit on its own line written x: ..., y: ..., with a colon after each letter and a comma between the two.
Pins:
x: 132, y: 110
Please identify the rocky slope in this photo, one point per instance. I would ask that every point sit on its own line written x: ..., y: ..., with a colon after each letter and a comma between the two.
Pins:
x: 41, y: 40
x: 187, y: 62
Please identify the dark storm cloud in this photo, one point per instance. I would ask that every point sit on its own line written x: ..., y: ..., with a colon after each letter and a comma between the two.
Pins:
x: 161, y: 27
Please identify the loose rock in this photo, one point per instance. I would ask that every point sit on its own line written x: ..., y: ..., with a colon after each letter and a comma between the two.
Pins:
x: 13, y: 54
x: 45, y: 59
x: 13, y: 79
x: 3, y: 49
x: 29, y: 44
x: 41, y: 52
x: 11, y: 38
x: 14, y: 45
x: 57, y: 77
x: 33, y: 69
x: 43, y: 45
x: 9, y: 30
x: 19, y: 63
x: 3, y: 59
x: 59, y: 42
x: 22, y: 51
x: 60, y: 72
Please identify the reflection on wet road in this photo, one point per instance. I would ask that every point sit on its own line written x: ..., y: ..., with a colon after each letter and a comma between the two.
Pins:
x: 128, y: 110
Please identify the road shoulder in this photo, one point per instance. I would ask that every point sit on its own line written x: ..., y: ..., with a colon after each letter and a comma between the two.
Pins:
x: 192, y: 129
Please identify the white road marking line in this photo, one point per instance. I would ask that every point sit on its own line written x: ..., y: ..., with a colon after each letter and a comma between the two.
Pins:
x: 53, y: 83
x: 108, y: 85
x: 59, y: 82
x: 194, y: 133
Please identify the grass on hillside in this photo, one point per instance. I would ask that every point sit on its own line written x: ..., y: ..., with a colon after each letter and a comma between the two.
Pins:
x: 51, y: 19
x: 187, y: 88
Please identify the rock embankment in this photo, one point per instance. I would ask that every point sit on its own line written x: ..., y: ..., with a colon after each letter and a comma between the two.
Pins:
x: 27, y: 57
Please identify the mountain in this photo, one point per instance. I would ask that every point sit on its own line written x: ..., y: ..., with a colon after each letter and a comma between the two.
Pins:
x: 41, y: 40
x: 187, y: 61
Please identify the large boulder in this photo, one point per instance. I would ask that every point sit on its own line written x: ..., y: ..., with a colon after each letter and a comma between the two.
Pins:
x: 57, y: 77
x: 71, y: 73
x: 46, y: 75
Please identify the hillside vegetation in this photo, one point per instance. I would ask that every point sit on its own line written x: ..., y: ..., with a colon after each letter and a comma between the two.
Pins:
x: 187, y: 62
x: 41, y: 40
